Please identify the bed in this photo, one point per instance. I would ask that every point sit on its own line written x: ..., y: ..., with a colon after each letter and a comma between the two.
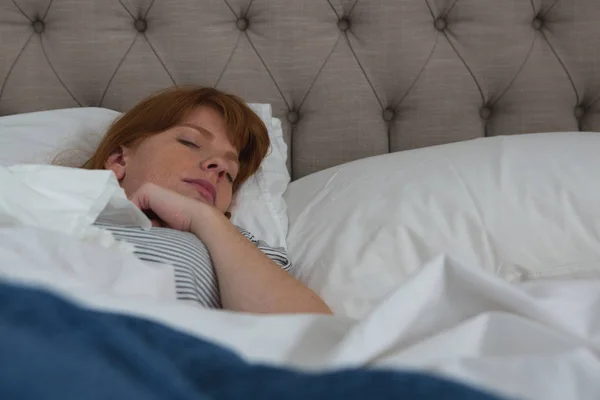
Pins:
x: 471, y: 122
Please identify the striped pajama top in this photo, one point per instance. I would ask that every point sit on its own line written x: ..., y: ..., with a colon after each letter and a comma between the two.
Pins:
x: 195, y: 277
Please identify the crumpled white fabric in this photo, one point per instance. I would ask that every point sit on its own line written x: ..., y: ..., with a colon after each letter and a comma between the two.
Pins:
x: 67, y: 200
x: 46, y: 232
x: 45, y: 257
x: 535, y: 340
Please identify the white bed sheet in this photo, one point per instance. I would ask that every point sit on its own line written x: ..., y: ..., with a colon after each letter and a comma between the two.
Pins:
x: 539, y: 340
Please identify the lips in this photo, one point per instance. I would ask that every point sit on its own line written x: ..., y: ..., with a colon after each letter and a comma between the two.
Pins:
x: 206, y: 189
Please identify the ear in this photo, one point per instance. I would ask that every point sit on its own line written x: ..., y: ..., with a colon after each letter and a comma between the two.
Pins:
x: 116, y: 162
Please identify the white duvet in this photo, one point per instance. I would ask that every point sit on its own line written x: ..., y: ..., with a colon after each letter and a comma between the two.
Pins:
x: 534, y: 341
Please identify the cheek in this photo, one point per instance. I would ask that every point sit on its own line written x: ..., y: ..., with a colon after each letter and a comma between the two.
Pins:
x: 160, y: 167
x: 224, y: 197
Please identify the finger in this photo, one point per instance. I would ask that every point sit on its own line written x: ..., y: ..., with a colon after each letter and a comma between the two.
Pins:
x: 140, y: 199
x: 155, y: 219
x: 156, y: 223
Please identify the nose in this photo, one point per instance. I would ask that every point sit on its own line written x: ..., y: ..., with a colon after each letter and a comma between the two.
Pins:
x: 216, y: 165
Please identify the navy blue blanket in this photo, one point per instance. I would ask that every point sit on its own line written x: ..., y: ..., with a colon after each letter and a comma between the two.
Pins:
x: 52, y: 349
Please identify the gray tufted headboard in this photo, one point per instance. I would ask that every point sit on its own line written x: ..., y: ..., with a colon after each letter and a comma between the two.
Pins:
x: 349, y: 78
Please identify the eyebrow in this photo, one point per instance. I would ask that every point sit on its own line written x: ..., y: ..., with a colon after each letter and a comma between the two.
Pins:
x: 210, y: 136
x: 205, y: 132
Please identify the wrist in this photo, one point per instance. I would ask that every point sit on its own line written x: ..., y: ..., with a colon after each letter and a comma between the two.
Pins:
x: 205, y: 218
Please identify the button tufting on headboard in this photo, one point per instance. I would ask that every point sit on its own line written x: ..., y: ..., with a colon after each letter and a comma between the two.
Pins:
x: 485, y: 113
x: 389, y: 115
x: 38, y: 26
x: 440, y: 24
x: 140, y: 25
x: 242, y: 23
x: 538, y: 23
x: 343, y: 24
x: 293, y: 117
x: 348, y: 79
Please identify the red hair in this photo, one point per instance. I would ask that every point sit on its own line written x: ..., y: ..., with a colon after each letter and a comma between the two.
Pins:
x: 166, y: 108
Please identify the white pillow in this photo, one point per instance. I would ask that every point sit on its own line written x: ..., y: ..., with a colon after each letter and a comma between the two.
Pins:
x: 259, y: 206
x: 522, y: 207
x: 37, y: 138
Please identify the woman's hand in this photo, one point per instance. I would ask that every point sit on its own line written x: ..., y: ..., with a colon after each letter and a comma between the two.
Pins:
x: 172, y: 209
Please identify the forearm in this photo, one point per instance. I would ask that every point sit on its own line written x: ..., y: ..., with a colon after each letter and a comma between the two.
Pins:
x: 248, y: 279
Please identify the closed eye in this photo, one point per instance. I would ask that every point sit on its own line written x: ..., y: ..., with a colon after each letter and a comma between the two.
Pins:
x: 188, y: 143
x: 230, y: 178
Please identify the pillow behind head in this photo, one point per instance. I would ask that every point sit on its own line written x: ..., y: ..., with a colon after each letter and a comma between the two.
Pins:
x: 521, y: 207
x: 39, y: 137
x: 260, y: 198
x: 71, y: 136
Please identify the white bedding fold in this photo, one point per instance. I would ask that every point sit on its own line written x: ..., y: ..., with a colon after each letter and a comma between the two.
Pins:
x: 536, y: 341
x: 64, y: 199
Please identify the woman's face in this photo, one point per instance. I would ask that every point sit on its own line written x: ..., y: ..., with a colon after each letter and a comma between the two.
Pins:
x: 194, y: 158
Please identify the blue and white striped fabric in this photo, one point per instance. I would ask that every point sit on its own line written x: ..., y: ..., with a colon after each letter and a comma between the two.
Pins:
x: 195, y: 277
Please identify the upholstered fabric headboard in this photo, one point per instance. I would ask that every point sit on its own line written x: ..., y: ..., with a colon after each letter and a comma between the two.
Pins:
x: 349, y: 78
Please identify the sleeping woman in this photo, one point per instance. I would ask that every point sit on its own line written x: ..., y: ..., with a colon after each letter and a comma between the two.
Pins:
x: 180, y: 155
